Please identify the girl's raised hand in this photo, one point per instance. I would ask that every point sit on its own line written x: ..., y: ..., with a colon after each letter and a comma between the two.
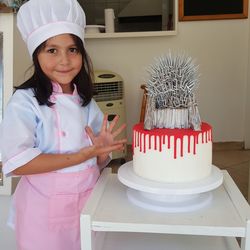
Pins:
x: 104, y: 142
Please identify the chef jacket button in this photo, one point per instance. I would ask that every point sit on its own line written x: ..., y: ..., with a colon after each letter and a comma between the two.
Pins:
x: 63, y: 133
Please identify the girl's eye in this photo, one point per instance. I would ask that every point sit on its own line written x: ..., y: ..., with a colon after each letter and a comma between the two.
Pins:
x: 51, y: 51
x: 74, y: 50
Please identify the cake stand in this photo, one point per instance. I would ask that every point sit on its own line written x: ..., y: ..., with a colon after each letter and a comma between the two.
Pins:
x: 169, y: 197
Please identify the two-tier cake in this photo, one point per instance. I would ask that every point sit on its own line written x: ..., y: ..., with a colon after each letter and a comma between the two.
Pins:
x: 172, y: 145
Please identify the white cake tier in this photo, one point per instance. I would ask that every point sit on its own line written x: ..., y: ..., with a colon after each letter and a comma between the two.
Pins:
x: 172, y: 155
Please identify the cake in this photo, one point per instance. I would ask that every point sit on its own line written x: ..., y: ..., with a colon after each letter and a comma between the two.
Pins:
x: 172, y: 145
x: 172, y: 155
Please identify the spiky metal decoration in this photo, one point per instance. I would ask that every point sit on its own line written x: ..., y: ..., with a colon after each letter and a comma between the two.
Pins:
x: 171, y: 103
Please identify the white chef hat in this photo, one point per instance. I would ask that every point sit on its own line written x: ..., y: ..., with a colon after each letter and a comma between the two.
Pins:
x: 39, y: 20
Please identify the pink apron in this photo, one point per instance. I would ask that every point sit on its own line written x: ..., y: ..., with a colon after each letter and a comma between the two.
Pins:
x: 48, y: 209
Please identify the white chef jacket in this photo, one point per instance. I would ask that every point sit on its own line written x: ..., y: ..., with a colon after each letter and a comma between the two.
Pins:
x: 29, y: 129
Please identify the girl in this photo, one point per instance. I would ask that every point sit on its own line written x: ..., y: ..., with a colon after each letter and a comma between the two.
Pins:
x: 53, y: 134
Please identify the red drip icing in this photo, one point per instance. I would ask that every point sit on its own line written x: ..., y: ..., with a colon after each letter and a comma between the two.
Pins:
x: 138, y: 136
x: 160, y: 143
x: 197, y: 139
x: 134, y: 142
x: 206, y: 133
x: 168, y: 141
x: 195, y: 142
x: 182, y: 148
x: 175, y: 148
x: 180, y: 138
x: 189, y: 143
x: 144, y: 144
x: 140, y: 143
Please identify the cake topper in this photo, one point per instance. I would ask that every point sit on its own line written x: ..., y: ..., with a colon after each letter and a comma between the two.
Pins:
x: 173, y: 79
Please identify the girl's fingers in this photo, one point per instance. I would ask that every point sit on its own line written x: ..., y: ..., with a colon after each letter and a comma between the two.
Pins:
x: 122, y: 141
x: 113, y: 123
x: 104, y: 122
x: 109, y: 149
x: 90, y: 133
x: 119, y: 130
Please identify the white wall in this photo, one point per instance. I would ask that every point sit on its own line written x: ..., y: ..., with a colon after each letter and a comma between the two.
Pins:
x: 22, y: 60
x: 221, y: 50
x: 247, y: 107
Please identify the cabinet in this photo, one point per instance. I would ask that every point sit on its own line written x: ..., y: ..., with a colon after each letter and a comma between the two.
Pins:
x: 163, y: 32
x: 109, y: 221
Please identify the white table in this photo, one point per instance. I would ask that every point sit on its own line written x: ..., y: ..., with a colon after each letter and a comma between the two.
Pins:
x: 109, y: 221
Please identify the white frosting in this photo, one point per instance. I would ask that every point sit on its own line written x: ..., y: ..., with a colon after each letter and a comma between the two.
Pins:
x: 162, y: 166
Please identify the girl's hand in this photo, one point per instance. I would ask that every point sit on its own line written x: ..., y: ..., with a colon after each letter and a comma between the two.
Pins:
x: 104, y: 142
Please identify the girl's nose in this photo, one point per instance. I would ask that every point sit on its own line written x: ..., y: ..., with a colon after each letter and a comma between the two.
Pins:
x: 64, y: 58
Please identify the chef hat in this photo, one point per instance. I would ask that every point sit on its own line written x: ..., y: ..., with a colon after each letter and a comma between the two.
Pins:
x: 39, y: 20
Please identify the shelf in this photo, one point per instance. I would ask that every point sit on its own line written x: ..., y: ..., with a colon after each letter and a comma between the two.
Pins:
x: 6, y: 10
x: 139, y: 241
x: 130, y: 34
x: 108, y: 210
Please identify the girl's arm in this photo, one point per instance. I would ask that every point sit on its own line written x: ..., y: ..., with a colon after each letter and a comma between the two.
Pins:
x: 51, y: 162
x: 103, y: 144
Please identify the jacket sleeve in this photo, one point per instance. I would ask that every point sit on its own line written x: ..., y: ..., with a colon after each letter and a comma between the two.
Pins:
x: 17, y: 133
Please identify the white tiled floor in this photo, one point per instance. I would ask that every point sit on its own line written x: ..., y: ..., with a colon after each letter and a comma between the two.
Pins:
x: 236, y: 161
x: 7, y: 239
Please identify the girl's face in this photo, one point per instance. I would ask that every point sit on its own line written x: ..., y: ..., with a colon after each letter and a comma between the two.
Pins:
x: 61, y: 60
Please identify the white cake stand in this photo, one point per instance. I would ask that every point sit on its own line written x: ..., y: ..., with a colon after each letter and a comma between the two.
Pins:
x: 169, y: 197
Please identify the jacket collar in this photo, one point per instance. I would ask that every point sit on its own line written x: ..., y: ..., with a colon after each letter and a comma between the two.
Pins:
x: 58, y: 90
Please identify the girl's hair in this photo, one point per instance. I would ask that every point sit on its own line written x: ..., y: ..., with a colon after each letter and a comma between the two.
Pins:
x: 42, y: 86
